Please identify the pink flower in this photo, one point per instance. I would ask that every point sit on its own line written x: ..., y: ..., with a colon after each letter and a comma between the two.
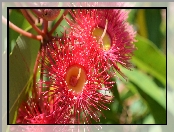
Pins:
x: 108, y: 27
x: 75, y: 81
x: 32, y: 112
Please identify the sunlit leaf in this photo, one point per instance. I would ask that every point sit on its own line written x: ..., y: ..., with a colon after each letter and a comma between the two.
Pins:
x: 148, y: 58
x: 21, y: 22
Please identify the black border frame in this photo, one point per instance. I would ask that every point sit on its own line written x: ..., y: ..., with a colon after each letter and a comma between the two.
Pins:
x: 76, y: 8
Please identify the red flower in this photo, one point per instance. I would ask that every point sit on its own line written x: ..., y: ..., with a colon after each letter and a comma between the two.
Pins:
x: 108, y: 27
x: 32, y: 112
x: 75, y: 81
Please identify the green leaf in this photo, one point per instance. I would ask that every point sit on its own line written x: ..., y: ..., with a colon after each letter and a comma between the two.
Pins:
x: 21, y: 64
x: 148, y: 58
x: 149, y: 25
x: 59, y: 30
x: 132, y: 16
x: 153, y: 23
x: 21, y: 22
x: 150, y: 92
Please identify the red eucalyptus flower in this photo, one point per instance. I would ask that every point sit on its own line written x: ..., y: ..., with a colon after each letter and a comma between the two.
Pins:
x: 108, y: 27
x: 31, y: 112
x: 75, y: 81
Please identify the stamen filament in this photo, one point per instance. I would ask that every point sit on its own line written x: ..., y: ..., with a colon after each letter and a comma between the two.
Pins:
x: 78, y: 76
x: 104, y: 32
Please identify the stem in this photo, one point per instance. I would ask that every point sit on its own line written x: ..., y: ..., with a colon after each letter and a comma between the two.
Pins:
x: 19, y: 30
x: 34, y: 18
x: 42, y: 62
x: 38, y: 13
x: 45, y: 23
x: 35, y: 73
x: 58, y: 22
x: 29, y: 19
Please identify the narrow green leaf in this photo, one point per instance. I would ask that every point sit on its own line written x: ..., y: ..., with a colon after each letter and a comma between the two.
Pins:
x: 21, y: 64
x: 153, y: 24
x: 141, y: 23
x: 149, y: 22
x: 150, y: 92
x: 148, y: 58
x: 132, y: 16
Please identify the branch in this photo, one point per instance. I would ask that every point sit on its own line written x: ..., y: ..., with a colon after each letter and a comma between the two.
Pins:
x: 57, y: 23
x: 39, y: 14
x: 45, y: 23
x: 29, y: 19
x: 19, y: 30
x: 34, y: 18
x: 35, y: 73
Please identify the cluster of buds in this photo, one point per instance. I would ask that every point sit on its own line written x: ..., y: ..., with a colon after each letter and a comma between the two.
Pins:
x: 78, y: 68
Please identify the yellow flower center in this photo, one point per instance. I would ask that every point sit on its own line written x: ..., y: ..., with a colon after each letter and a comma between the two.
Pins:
x: 76, y: 78
x: 102, y: 37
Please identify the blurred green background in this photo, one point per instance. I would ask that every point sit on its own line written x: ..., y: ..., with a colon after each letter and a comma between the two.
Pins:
x: 141, y: 100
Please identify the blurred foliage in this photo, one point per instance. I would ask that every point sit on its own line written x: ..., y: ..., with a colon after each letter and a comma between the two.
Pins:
x: 141, y: 100
x: 21, y: 65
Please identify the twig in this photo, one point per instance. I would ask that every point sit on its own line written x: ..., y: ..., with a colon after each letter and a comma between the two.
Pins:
x: 45, y: 23
x: 19, y: 30
x: 57, y: 23
x: 35, y: 19
x: 42, y: 64
x: 27, y: 16
x: 35, y: 73
x: 36, y: 12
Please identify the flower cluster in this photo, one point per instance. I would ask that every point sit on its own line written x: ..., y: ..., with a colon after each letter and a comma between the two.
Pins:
x: 77, y: 68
